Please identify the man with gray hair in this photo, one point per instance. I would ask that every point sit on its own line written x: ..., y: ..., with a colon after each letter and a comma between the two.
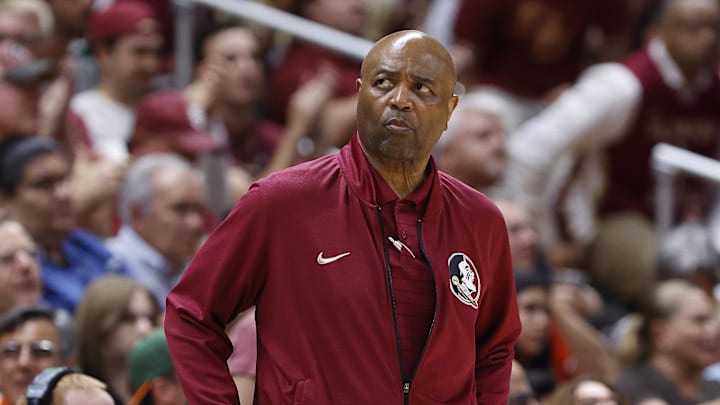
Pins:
x: 162, y: 208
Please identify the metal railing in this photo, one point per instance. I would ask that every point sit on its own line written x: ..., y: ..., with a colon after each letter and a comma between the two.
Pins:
x: 338, y: 41
x: 667, y: 162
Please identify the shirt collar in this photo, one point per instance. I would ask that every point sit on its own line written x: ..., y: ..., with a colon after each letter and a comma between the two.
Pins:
x: 671, y: 74
x: 144, y: 251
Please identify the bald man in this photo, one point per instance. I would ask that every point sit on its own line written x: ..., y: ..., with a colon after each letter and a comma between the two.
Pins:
x: 359, y: 264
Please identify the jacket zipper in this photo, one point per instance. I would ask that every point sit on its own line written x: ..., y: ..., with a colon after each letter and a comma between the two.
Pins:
x: 406, y: 381
x: 437, y: 303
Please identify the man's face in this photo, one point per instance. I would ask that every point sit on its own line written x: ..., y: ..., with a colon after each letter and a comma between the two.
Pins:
x: 20, y: 28
x: 25, y: 352
x: 405, y: 98
x: 19, y: 267
x: 42, y: 198
x: 173, y: 224
x: 71, y: 16
x: 690, y: 31
x: 134, y: 60
x: 476, y: 155
x: 235, y: 53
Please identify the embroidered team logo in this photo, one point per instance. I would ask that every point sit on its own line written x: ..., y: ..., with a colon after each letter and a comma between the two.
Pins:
x: 464, y: 279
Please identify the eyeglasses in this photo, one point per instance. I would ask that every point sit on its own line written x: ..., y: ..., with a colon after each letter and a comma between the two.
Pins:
x: 40, y: 349
x: 521, y: 399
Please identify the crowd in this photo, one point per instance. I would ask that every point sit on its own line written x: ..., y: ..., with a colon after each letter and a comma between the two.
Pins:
x: 112, y: 177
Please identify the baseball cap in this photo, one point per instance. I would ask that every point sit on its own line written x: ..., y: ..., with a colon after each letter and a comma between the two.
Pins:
x: 123, y: 17
x: 167, y: 116
x: 149, y: 358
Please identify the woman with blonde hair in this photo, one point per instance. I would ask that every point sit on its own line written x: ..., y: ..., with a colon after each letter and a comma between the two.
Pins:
x: 678, y: 336
x: 585, y: 390
x: 114, y: 314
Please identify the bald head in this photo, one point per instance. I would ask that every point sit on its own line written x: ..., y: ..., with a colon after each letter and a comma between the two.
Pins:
x: 412, y: 43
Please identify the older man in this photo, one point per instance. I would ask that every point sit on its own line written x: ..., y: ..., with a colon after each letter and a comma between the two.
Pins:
x: 19, y: 266
x: 350, y: 258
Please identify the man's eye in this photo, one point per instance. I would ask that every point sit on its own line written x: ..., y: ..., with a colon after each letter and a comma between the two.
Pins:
x: 382, y: 83
x: 420, y: 87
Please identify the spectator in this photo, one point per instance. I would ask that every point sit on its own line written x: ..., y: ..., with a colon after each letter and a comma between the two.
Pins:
x: 521, y: 393
x: 19, y: 266
x: 666, y: 92
x: 303, y: 61
x: 525, y: 51
x: 30, y: 341
x: 126, y: 42
x: 35, y: 188
x: 65, y: 386
x: 472, y: 149
x: 163, y: 216
x: 114, y: 314
x: 677, y: 338
x: 152, y: 376
x: 585, y: 391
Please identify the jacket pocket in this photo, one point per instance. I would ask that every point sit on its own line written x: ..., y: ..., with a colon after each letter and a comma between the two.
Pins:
x: 300, y: 392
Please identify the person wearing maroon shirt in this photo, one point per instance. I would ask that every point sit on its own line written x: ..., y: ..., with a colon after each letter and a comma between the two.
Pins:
x: 527, y: 49
x: 666, y: 92
x: 377, y: 279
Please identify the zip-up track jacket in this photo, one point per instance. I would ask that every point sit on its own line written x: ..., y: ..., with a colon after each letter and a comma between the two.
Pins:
x: 326, y: 330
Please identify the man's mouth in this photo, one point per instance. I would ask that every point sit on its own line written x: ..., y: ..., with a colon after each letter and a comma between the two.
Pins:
x: 398, y: 125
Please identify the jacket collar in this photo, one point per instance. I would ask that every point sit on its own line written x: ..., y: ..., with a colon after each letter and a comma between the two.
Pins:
x: 364, y: 181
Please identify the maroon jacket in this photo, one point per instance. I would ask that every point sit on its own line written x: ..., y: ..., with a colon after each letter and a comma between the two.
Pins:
x: 326, y: 333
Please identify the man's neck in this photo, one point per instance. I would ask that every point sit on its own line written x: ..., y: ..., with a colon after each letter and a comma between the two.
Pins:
x: 51, y: 244
x: 685, y: 379
x: 116, y: 93
x: 402, y: 177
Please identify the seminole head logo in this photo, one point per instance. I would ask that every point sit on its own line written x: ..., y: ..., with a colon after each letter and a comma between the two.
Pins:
x: 464, y: 279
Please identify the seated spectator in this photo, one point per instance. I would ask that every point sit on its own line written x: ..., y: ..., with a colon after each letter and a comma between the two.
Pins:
x: 302, y: 61
x: 19, y: 266
x: 472, y: 149
x: 609, y: 121
x: 115, y: 313
x: 585, y: 391
x: 35, y: 188
x: 126, y: 42
x: 65, y: 386
x: 676, y: 339
x: 30, y: 341
x: 163, y: 213
x: 152, y: 376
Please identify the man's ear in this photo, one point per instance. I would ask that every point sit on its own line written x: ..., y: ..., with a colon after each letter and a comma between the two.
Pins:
x: 452, y: 104
x: 358, y: 83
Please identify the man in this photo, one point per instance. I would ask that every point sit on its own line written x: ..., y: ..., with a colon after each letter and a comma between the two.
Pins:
x: 360, y: 243
x: 35, y: 188
x: 163, y: 209
x: 126, y: 41
x: 30, y: 341
x: 64, y: 386
x: 19, y: 266
x: 152, y: 376
x: 473, y: 148
x: 667, y: 92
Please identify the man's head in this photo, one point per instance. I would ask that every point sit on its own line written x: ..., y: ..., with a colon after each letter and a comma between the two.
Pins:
x: 406, y: 97
x: 35, y: 186
x: 162, y: 199
x: 25, y: 22
x: 65, y: 386
x: 521, y: 233
x: 234, y: 54
x: 473, y: 147
x: 152, y: 375
x: 127, y: 42
x: 19, y: 267
x: 30, y: 342
x: 690, y: 31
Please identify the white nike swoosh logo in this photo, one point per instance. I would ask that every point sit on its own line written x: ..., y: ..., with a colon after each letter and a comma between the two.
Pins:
x: 327, y: 260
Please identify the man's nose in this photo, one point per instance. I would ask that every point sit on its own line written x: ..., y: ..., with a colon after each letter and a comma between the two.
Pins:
x: 401, y: 98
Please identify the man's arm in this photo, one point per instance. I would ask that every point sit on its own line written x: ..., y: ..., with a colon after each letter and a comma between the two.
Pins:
x: 498, y: 324
x: 225, y: 277
x: 590, y: 115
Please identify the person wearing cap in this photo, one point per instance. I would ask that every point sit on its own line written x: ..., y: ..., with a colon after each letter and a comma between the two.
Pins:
x: 126, y: 41
x: 35, y: 186
x: 152, y: 375
x: 163, y: 211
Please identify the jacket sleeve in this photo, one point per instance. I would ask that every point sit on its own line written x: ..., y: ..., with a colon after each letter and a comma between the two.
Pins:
x: 498, y: 324
x: 224, y: 278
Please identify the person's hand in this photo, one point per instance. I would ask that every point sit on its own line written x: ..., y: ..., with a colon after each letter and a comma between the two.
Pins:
x: 95, y: 181
x: 204, y: 90
x: 307, y: 101
x: 55, y: 101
